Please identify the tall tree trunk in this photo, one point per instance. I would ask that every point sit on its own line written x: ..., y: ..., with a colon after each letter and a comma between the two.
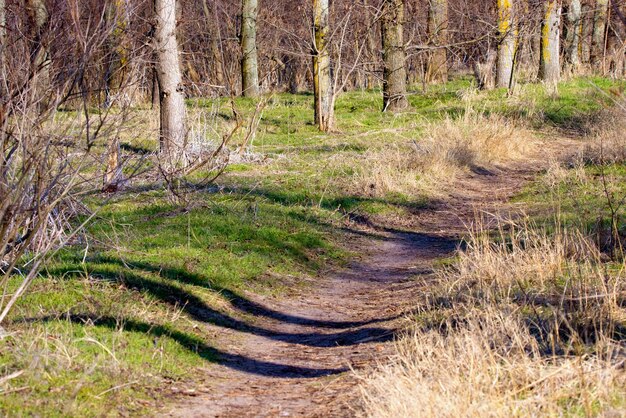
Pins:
x: 249, y: 61
x: 118, y: 57
x: 322, y: 81
x: 118, y: 50
x: 394, y: 56
x: 38, y: 16
x: 574, y: 34
x: 484, y: 71
x: 506, y: 47
x: 3, y: 35
x: 550, y: 65
x: 437, y: 71
x: 171, y: 96
x: 598, y: 46
x: 586, y: 33
x: 214, y: 36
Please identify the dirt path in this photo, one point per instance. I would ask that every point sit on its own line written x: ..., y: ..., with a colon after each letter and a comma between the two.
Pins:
x: 292, y: 359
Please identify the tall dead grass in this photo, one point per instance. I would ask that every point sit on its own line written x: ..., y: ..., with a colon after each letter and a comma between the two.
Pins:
x: 528, y: 323
x: 608, y: 141
x: 448, y: 148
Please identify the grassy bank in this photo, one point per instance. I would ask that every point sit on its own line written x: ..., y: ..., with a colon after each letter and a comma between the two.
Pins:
x: 131, y: 311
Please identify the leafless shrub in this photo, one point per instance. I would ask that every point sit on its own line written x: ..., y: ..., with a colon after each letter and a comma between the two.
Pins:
x: 47, y: 158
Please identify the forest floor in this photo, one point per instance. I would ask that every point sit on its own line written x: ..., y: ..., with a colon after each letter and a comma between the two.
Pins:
x: 298, y: 358
x: 257, y: 295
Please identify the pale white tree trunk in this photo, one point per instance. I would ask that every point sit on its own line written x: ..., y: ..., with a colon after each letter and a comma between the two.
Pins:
x: 506, y: 47
x: 550, y: 62
x: 249, y: 60
x: 171, y: 92
x: 574, y: 34
x: 322, y: 82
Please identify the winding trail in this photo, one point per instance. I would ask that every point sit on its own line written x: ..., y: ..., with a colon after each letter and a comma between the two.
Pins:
x: 295, y: 361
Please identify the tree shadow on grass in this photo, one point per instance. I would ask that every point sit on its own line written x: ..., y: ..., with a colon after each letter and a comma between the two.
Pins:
x: 237, y: 301
x: 197, y: 309
x: 197, y: 346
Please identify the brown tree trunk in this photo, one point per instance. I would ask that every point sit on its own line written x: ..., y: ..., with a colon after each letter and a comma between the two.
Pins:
x: 322, y: 81
x: 550, y: 62
x: 598, y: 45
x: 118, y: 50
x: 249, y: 61
x: 437, y: 69
x: 38, y: 16
x: 3, y: 34
x: 586, y: 33
x: 117, y: 18
x: 214, y: 36
x: 171, y: 96
x: 394, y: 56
x: 484, y: 71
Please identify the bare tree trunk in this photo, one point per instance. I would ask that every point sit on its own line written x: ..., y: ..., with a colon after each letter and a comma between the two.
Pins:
x: 117, y: 18
x: 38, y: 15
x: 574, y: 35
x: 3, y: 35
x: 586, y: 33
x: 214, y: 35
x: 171, y: 96
x: 437, y: 71
x: 322, y: 83
x: 598, y: 46
x: 484, y: 71
x: 394, y: 56
x: 118, y: 50
x: 549, y: 64
x: 154, y: 91
x: 506, y: 47
x: 249, y: 61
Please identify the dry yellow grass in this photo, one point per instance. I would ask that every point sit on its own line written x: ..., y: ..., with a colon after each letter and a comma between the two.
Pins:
x: 608, y: 142
x: 447, y: 148
x: 491, y: 366
x: 523, y: 325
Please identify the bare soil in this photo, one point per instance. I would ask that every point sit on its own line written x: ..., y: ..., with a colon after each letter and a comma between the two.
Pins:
x: 296, y: 354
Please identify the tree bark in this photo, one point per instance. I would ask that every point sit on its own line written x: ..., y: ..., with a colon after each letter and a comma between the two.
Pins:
x: 249, y: 60
x: 38, y: 16
x: 574, y: 34
x: 484, y: 71
x: 394, y: 56
x: 171, y: 96
x: 117, y: 18
x: 118, y: 50
x: 549, y: 64
x: 3, y: 35
x: 214, y: 36
x: 598, y: 46
x: 437, y: 69
x: 507, y: 43
x: 586, y: 33
x: 322, y: 81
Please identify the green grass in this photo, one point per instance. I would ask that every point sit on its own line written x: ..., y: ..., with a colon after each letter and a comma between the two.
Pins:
x: 589, y: 203
x: 124, y: 313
